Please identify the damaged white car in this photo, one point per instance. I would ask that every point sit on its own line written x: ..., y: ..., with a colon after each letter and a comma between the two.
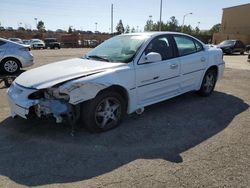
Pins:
x: 122, y: 75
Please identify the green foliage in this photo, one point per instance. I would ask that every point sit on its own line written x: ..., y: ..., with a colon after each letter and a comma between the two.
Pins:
x: 149, y: 25
x: 40, y: 26
x: 133, y: 30
x: 127, y: 29
x: 70, y: 29
x: 215, y: 29
x: 119, y: 28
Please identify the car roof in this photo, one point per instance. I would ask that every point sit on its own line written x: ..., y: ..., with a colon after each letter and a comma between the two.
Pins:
x: 9, y: 41
x: 159, y: 33
x: 156, y: 33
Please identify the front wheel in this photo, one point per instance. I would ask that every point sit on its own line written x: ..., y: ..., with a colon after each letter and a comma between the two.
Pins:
x: 208, y: 83
x: 104, y: 112
x: 10, y: 66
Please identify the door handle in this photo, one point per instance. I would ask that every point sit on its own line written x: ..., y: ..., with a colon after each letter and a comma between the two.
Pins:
x: 173, y: 66
x: 155, y: 78
x: 203, y: 59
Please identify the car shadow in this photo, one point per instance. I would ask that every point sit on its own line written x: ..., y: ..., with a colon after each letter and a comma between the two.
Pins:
x: 37, y: 153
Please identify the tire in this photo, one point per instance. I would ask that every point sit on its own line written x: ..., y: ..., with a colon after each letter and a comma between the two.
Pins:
x: 208, y: 83
x: 230, y: 52
x: 10, y: 66
x: 242, y: 53
x: 8, y: 81
x: 104, y: 112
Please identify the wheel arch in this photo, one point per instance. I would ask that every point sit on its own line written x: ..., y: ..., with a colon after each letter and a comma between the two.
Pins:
x: 120, y: 90
x: 10, y: 57
x: 215, y: 68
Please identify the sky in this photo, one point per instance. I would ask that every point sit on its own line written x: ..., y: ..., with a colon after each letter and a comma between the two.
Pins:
x: 84, y: 14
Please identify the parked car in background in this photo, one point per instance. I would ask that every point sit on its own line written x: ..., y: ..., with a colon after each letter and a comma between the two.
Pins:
x: 2, y: 28
x: 14, y: 56
x: 122, y: 75
x: 9, y: 29
x: 17, y: 40
x: 248, y: 48
x: 52, y: 43
x: 27, y: 42
x: 232, y: 46
x: 37, y: 44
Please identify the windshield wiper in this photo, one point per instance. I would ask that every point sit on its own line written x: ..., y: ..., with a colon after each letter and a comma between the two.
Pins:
x: 98, y: 57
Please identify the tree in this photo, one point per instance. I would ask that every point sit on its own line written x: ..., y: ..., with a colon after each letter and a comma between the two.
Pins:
x: 41, y: 26
x: 133, y: 30
x: 215, y: 29
x: 127, y: 29
x: 149, y: 25
x: 119, y: 28
x: 172, y: 25
x: 187, y: 29
x: 197, y: 30
x: 70, y: 29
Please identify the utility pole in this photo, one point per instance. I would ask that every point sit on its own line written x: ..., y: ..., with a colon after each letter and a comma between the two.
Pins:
x: 183, y: 22
x: 96, y: 26
x: 112, y: 17
x: 160, y: 15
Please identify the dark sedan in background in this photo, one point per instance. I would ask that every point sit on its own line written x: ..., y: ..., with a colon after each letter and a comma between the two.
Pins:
x: 52, y: 43
x: 232, y: 46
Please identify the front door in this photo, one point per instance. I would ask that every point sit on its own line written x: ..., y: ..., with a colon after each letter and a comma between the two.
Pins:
x: 157, y: 81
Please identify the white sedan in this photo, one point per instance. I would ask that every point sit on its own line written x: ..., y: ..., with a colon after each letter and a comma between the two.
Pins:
x: 14, y: 56
x: 122, y: 75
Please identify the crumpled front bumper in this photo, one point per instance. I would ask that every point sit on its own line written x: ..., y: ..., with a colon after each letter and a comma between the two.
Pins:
x: 18, y: 100
x: 21, y: 105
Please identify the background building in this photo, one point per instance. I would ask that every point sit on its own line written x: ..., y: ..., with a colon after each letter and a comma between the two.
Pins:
x: 235, y: 24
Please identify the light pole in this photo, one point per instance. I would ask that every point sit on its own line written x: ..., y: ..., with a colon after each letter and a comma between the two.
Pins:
x: 150, y: 23
x: 112, y: 17
x: 198, y: 24
x: 35, y: 21
x: 96, y: 26
x: 160, y: 15
x: 184, y: 20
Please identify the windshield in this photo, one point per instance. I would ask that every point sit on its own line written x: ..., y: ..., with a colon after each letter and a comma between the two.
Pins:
x: 121, y: 48
x: 227, y: 42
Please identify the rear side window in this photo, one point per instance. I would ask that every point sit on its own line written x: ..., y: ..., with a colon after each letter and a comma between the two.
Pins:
x: 2, y: 43
x: 187, y: 45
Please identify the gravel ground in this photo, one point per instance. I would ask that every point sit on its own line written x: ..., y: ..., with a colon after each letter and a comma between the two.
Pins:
x: 187, y: 141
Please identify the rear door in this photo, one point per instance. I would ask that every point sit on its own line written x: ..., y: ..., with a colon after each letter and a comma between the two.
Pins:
x: 193, y: 61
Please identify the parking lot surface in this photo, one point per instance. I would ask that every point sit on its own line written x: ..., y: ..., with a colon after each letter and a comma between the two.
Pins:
x: 187, y: 141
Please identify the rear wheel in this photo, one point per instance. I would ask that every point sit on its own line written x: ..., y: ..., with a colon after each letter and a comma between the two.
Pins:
x: 208, y: 83
x: 104, y: 112
x: 10, y: 66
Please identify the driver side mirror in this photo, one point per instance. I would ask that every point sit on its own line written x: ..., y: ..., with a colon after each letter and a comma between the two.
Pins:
x: 152, y: 57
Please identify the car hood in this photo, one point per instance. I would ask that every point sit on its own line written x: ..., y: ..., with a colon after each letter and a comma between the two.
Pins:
x: 55, y: 73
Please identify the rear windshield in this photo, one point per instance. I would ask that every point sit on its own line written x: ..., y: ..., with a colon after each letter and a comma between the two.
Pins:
x: 227, y: 42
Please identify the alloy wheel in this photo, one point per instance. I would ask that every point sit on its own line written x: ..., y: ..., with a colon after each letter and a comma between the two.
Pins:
x: 108, y: 112
x: 10, y: 66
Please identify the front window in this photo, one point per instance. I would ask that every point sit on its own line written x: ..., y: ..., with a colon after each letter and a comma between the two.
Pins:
x: 121, y: 48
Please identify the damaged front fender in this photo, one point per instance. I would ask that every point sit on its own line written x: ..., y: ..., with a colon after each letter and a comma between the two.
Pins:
x: 80, y: 92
